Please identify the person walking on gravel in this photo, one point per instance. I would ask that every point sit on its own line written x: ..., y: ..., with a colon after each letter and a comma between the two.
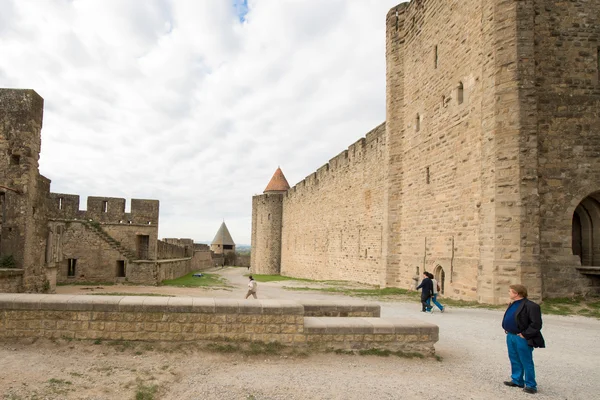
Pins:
x: 426, y: 287
x: 436, y: 290
x: 252, y: 285
x: 522, y: 324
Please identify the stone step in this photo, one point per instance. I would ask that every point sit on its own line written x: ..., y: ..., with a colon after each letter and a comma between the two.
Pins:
x: 368, y: 325
x: 319, y: 308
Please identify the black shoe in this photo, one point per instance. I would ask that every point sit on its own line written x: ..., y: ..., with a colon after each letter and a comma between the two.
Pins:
x: 512, y: 384
x: 530, y: 390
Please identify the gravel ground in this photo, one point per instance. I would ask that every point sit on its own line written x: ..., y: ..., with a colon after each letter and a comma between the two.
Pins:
x: 474, y: 362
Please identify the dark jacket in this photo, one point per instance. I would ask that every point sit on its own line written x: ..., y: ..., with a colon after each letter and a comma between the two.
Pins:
x: 529, y: 320
x: 427, y: 286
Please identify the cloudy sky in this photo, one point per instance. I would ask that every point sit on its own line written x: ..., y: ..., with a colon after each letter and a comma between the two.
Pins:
x: 195, y: 103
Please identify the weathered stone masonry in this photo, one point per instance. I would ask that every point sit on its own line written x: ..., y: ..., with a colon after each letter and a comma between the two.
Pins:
x: 46, y: 238
x: 488, y: 171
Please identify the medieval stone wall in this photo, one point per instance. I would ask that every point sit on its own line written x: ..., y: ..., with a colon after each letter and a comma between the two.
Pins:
x: 566, y: 72
x: 437, y: 142
x: 332, y: 220
x: 22, y: 189
x: 95, y: 260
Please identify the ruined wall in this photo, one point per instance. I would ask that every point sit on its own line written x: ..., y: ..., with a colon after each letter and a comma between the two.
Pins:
x: 108, y: 213
x: 23, y: 190
x: 96, y: 259
x: 11, y: 280
x: 566, y: 75
x: 267, y: 214
x: 153, y: 272
x: 333, y: 219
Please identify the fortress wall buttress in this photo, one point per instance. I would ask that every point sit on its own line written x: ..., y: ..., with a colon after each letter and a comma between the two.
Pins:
x: 567, y: 79
x: 435, y: 144
x: 267, y: 210
x: 396, y: 21
x: 23, y: 228
x: 333, y: 219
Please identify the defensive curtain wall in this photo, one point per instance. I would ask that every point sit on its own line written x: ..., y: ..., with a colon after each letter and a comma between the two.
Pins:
x: 317, y: 325
x: 46, y: 238
x: 334, y: 218
x: 490, y: 168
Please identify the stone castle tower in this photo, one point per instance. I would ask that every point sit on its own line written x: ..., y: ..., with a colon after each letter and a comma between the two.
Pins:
x: 486, y: 171
x: 223, y: 243
x: 267, y: 214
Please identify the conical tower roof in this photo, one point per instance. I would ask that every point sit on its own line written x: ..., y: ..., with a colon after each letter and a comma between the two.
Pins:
x: 278, y: 183
x: 223, y: 237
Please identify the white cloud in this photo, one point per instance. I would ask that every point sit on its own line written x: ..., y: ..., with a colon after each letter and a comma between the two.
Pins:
x: 181, y: 102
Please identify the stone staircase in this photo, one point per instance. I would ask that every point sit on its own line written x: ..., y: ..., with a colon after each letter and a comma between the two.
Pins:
x: 115, y: 244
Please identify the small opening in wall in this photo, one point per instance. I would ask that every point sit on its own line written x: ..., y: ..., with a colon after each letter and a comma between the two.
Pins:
x: 418, y: 123
x: 120, y: 269
x: 598, y: 63
x: 435, y: 57
x: 15, y: 159
x: 130, y: 222
x: 60, y: 203
x: 105, y: 206
x: 427, y: 176
x: 149, y: 222
x: 2, y: 207
x: 460, y: 95
x: 71, y: 266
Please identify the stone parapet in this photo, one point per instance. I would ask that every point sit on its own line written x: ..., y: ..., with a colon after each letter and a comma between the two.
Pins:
x: 395, y: 334
x: 207, y: 319
x: 316, y: 308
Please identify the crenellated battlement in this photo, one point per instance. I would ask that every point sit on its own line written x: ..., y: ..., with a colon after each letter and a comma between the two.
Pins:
x: 367, y: 148
x: 109, y: 210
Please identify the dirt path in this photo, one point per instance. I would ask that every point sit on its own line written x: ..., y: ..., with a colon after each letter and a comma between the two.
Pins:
x: 471, y: 344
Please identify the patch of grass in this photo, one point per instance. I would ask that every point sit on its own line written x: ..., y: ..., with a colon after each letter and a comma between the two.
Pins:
x: 77, y: 374
x: 54, y: 381
x: 276, y: 278
x: 97, y: 341
x: 145, y: 392
x: 207, y: 280
x: 385, y: 292
x: 272, y: 348
x: 132, y: 294
x: 588, y: 307
x: 78, y: 283
x: 222, y: 348
x: 375, y: 352
x: 7, y: 261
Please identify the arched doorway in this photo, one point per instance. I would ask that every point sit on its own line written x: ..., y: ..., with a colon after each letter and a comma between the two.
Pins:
x: 585, y: 238
x: 440, y: 276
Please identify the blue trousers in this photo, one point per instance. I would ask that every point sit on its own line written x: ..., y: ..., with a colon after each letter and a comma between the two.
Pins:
x: 521, y: 361
x: 437, y: 303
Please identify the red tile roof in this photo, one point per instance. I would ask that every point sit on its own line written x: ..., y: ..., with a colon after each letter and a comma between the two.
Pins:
x: 278, y: 183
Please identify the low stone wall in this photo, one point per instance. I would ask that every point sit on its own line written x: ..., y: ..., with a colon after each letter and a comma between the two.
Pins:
x: 11, y: 280
x: 317, y: 308
x: 204, y: 319
x: 202, y: 260
x: 153, y: 272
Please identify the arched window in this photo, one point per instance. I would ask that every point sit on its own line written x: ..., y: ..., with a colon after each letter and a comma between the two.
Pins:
x: 440, y: 277
x: 586, y: 232
x: 460, y: 93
